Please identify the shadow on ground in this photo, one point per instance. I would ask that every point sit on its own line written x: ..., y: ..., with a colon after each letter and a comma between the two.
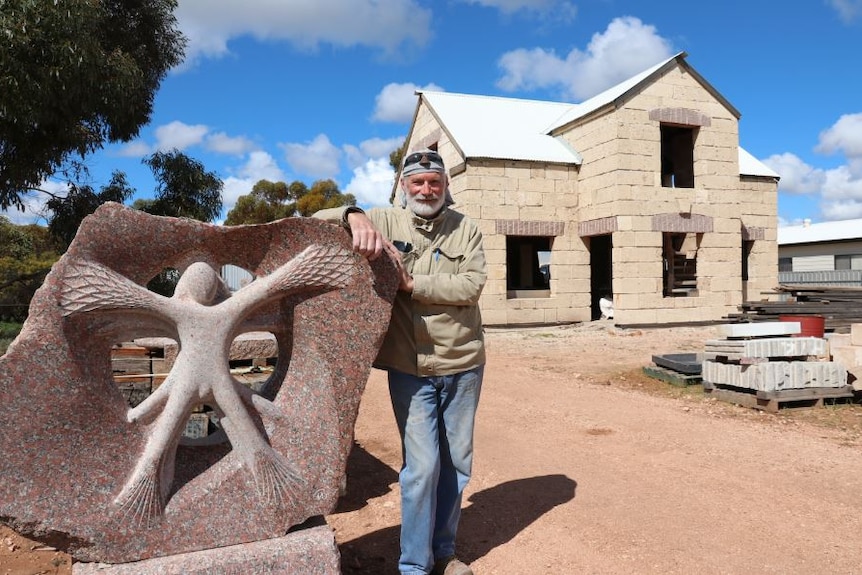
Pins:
x: 491, y: 517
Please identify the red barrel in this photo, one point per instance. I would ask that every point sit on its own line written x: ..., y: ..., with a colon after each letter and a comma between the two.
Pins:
x: 809, y: 325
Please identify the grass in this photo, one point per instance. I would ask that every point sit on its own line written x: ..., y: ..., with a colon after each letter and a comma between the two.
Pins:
x: 843, y: 417
x: 8, y: 332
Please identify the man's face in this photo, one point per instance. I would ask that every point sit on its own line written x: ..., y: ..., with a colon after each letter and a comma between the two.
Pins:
x: 425, y: 193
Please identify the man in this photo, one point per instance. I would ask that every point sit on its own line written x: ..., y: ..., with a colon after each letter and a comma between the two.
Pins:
x: 433, y: 352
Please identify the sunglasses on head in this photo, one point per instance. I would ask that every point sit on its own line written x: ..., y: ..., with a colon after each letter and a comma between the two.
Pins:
x: 423, y: 158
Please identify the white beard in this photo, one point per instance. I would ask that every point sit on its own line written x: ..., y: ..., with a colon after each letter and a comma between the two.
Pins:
x: 425, y: 209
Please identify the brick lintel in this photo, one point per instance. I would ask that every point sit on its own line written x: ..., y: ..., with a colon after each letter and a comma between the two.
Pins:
x: 597, y: 227
x: 530, y: 228
x: 682, y: 223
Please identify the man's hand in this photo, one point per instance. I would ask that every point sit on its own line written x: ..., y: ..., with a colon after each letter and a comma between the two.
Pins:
x: 405, y: 279
x: 367, y: 239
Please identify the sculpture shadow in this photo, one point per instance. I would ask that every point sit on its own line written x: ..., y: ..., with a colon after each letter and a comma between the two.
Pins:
x: 367, y: 478
x: 494, y: 517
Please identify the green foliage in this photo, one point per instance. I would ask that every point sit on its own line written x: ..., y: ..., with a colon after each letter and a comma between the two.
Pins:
x: 323, y: 194
x: 184, y: 190
x: 68, y: 212
x: 8, y: 332
x: 267, y: 202
x: 74, y: 75
x: 395, y: 160
x: 165, y: 283
x: 270, y: 201
x: 26, y: 256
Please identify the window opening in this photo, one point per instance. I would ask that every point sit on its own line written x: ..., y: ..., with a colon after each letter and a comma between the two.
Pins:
x: 528, y: 264
x: 677, y: 156
x: 680, y: 264
x: 747, y: 246
x: 785, y: 264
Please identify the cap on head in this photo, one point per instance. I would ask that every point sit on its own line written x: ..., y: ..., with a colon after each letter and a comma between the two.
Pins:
x: 422, y: 161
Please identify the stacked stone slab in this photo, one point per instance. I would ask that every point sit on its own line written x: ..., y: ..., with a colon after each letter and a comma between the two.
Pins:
x: 764, y: 357
x: 846, y: 349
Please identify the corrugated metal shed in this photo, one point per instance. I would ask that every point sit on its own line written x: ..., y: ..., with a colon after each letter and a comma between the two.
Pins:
x: 820, y: 232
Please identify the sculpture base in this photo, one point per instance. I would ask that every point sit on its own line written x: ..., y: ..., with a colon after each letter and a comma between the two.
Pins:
x: 308, y: 551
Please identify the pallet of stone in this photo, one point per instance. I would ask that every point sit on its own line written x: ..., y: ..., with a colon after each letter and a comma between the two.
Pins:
x: 776, y: 375
x: 671, y: 376
x: 764, y: 348
x: 773, y: 401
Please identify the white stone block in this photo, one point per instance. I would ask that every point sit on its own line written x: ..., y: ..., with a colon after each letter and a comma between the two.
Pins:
x: 760, y: 329
x: 775, y: 375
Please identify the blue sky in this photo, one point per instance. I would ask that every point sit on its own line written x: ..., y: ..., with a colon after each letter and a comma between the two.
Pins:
x: 297, y: 90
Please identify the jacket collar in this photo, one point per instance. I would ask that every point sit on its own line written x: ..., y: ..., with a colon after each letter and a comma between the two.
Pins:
x: 428, y: 225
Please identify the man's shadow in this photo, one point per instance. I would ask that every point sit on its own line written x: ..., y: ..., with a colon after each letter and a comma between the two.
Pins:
x: 491, y: 517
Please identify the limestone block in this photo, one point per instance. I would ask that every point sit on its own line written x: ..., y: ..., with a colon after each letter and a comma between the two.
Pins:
x: 837, y: 340
x: 850, y: 356
x: 856, y: 334
x: 775, y: 375
x: 760, y: 329
x: 765, y: 347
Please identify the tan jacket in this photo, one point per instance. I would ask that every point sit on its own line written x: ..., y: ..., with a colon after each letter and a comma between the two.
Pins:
x: 436, y: 330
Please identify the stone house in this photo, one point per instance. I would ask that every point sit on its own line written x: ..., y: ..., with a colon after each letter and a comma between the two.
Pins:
x: 640, y: 194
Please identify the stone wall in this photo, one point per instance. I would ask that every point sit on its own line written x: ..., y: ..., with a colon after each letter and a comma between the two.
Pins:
x: 618, y: 190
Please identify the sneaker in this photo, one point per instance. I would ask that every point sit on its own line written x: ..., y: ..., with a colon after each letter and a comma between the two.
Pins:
x: 451, y: 566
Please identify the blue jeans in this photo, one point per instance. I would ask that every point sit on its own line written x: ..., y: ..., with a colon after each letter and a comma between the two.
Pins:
x: 435, y: 417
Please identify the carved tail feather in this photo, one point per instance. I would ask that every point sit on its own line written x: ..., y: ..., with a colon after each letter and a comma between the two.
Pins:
x: 141, y: 499
x: 275, y: 479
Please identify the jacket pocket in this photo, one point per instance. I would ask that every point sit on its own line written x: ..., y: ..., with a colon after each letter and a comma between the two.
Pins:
x: 447, y: 260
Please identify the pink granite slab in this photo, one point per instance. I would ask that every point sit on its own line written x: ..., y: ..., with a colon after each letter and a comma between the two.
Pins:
x: 310, y: 551
x: 69, y: 449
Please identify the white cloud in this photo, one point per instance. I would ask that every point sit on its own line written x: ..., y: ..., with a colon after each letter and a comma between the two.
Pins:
x: 848, y: 10
x: 390, y: 25
x: 375, y: 148
x: 260, y: 166
x: 372, y: 183
x: 397, y: 102
x: 318, y: 158
x: 797, y: 177
x: 841, y: 184
x: 842, y: 210
x: 179, y: 135
x: 34, y: 203
x: 562, y: 12
x: 625, y: 48
x: 844, y: 136
x: 224, y: 144
x: 135, y: 149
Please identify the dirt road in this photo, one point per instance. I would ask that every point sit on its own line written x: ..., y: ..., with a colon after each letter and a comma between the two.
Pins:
x: 583, y: 465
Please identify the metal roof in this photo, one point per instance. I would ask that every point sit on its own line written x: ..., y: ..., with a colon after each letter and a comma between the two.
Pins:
x: 517, y: 129
x: 501, y: 128
x: 820, y: 232
x: 751, y: 166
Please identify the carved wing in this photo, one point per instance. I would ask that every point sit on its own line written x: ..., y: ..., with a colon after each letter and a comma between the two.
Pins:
x: 88, y: 286
x: 317, y: 267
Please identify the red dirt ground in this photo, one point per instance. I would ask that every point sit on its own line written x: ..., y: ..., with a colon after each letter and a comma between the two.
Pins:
x: 584, y: 465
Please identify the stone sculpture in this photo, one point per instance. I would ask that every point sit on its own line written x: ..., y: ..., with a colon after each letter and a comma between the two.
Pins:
x: 111, y: 483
